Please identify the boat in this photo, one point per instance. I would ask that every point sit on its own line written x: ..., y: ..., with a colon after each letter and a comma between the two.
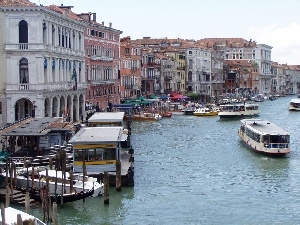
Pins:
x: 188, y: 110
x: 205, y: 111
x: 80, y: 182
x: 168, y: 114
x: 259, y: 98
x: 143, y: 117
x: 71, y: 197
x: 239, y: 110
x: 264, y: 137
x: 294, y: 104
x: 11, y: 217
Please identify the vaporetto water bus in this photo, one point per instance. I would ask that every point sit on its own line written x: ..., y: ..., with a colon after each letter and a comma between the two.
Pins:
x: 264, y: 136
x: 238, y: 110
x: 294, y: 104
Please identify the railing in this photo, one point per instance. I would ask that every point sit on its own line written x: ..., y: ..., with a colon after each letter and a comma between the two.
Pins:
x: 51, y: 48
x: 51, y: 86
x: 102, y: 58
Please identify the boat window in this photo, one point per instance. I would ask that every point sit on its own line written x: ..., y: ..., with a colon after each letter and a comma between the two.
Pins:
x: 266, y: 139
x: 280, y: 139
x: 254, y: 136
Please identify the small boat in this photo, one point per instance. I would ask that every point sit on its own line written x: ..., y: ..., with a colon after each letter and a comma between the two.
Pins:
x: 294, y: 104
x: 238, y: 110
x: 71, y: 197
x: 10, y: 217
x: 188, y: 110
x: 168, y: 114
x: 204, y: 111
x: 144, y: 117
x: 264, y: 137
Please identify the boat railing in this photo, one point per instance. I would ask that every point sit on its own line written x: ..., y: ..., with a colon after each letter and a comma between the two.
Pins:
x: 277, y: 145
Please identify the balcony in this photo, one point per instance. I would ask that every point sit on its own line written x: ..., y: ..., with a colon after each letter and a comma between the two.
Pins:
x: 45, y: 87
x: 181, y: 68
x: 168, y: 78
x: 102, y: 58
x: 41, y: 47
x: 152, y: 64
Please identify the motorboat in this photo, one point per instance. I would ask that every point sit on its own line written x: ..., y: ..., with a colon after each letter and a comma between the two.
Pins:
x: 264, y: 137
x: 294, y: 104
x: 188, y: 110
x: 239, y: 110
x: 205, y: 111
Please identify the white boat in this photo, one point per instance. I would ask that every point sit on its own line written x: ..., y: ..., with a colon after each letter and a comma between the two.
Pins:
x: 238, y: 110
x: 264, y: 136
x: 11, y: 217
x: 80, y: 183
x: 294, y: 104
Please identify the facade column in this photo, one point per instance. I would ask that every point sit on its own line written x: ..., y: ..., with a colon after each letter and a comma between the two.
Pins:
x: 77, y: 109
x: 50, y: 107
x: 71, y: 108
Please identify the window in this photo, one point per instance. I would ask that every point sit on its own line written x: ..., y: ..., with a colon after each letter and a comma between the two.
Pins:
x: 23, y: 32
x: 126, y: 50
x: 23, y: 67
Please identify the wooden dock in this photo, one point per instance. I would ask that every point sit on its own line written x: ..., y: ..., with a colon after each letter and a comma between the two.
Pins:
x: 18, y: 197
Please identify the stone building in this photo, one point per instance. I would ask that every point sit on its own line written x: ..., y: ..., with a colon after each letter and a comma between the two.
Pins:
x: 42, y: 62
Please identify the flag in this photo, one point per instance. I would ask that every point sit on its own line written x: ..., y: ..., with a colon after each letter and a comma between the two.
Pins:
x: 74, y: 78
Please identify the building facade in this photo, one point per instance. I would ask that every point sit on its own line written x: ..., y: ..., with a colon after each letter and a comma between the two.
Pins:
x: 42, y: 62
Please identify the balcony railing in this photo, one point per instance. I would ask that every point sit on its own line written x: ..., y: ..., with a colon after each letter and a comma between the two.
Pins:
x: 49, y: 87
x: 102, y: 58
x: 50, y: 48
x: 168, y: 78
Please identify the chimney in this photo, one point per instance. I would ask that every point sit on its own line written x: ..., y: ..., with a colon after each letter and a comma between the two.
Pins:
x: 110, y: 24
x: 94, y: 17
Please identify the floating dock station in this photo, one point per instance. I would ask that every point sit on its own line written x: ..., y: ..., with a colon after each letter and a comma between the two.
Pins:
x: 98, y: 146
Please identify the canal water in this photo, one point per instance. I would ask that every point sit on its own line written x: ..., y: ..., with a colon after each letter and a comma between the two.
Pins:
x: 195, y: 170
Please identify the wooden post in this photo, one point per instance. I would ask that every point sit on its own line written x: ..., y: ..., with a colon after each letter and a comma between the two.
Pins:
x: 6, y: 170
x: 27, y: 202
x: 11, y: 183
x: 27, y: 187
x: 19, y: 219
x: 84, y: 172
x: 7, y: 196
x: 48, y: 196
x: 50, y: 162
x: 54, y: 216
x: 15, y: 174
x: 3, y: 214
x: 71, y: 181
x: 118, y: 175
x: 32, y: 179
x: 106, y: 188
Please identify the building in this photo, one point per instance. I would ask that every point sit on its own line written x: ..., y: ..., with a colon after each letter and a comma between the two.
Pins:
x: 42, y: 62
x: 130, y: 69
x: 102, y: 51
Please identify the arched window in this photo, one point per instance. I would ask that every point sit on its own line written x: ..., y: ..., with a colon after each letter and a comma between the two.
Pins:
x: 23, y: 67
x: 23, y: 32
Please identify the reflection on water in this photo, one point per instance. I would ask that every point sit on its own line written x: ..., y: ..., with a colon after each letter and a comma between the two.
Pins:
x: 195, y: 170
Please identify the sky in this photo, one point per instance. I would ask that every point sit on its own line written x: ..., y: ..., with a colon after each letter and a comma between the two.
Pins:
x: 272, y: 22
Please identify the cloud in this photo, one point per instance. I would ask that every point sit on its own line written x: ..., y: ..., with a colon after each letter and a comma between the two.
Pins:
x: 284, y: 40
